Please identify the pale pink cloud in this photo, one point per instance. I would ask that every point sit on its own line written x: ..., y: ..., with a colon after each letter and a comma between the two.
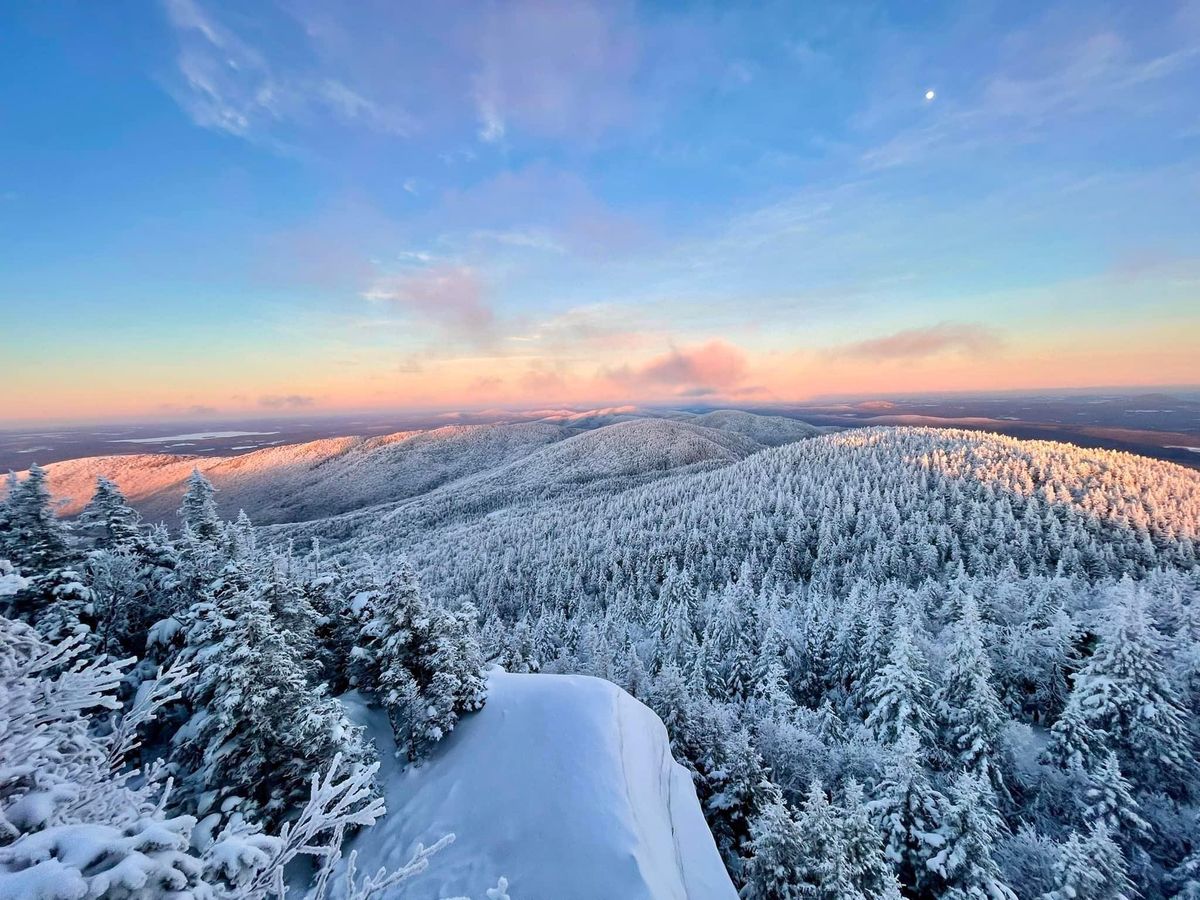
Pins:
x: 451, y: 297
x: 712, y: 368
x: 543, y: 379
x: 288, y: 401
x: 916, y: 343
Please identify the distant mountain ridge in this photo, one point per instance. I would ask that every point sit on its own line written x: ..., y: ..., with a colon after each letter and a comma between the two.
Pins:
x: 335, y: 476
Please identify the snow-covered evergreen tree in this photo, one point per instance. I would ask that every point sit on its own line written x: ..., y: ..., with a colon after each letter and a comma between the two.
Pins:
x: 109, y: 519
x: 32, y: 536
x: 900, y: 694
x: 422, y: 663
x: 968, y: 835
x: 774, y: 870
x: 1123, y: 691
x: 198, y: 512
x: 1092, y: 866
x: 258, y: 727
x: 862, y: 846
x: 1108, y: 800
x: 75, y: 822
x: 909, y: 811
x: 967, y: 702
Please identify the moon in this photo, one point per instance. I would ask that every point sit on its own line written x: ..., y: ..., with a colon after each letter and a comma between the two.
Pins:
x: 930, y: 94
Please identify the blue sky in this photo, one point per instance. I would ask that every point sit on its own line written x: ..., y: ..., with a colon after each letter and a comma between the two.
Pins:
x: 205, y: 207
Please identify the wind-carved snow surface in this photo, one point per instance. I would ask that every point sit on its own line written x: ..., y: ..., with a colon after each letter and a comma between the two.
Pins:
x: 562, y: 784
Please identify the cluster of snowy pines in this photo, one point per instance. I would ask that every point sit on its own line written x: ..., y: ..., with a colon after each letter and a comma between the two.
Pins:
x: 168, y: 724
x: 899, y: 662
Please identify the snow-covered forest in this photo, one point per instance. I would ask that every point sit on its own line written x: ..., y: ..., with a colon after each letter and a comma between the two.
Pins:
x: 167, y: 715
x: 896, y: 662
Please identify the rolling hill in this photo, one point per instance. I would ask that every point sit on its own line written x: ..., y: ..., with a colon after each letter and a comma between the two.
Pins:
x: 479, y: 464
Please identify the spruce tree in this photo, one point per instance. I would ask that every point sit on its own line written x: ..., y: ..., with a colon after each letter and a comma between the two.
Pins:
x: 420, y: 662
x: 1074, y: 744
x: 1124, y: 691
x: 56, y: 598
x: 34, y: 538
x: 1108, y: 799
x: 258, y: 728
x: 900, y: 693
x: 676, y: 641
x: 967, y: 703
x: 823, y: 860
x: 908, y: 811
x: 862, y: 845
x: 109, y: 519
x: 968, y: 835
x: 774, y: 870
x: 1092, y: 866
x: 731, y: 644
x: 198, y: 511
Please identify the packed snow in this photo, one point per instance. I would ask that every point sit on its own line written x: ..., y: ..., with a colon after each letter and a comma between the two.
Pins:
x: 563, y: 785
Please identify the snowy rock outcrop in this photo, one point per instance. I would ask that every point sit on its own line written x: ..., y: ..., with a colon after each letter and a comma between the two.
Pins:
x: 564, y: 785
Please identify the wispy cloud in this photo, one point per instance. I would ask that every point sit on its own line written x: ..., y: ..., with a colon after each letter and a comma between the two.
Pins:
x: 450, y: 296
x: 288, y: 401
x: 554, y: 68
x: 228, y: 84
x: 917, y: 343
x: 1051, y: 76
x: 691, y: 371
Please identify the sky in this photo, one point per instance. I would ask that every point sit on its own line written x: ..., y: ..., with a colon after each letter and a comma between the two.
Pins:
x: 217, y: 208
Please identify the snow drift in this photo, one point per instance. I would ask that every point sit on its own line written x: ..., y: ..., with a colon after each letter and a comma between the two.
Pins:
x: 562, y: 784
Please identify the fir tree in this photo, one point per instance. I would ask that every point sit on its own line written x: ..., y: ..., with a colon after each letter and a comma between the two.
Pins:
x: 900, y: 693
x: 862, y: 845
x: 774, y: 869
x: 730, y: 645
x: 421, y: 663
x: 968, y: 836
x: 677, y: 643
x: 1092, y: 866
x: 259, y: 728
x: 198, y: 510
x: 109, y: 519
x: 967, y: 703
x: 1124, y: 691
x: 1108, y: 800
x: 908, y: 811
x: 823, y: 860
x: 1074, y: 744
x: 33, y: 537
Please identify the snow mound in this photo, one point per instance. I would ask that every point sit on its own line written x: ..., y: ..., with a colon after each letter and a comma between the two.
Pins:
x: 562, y: 784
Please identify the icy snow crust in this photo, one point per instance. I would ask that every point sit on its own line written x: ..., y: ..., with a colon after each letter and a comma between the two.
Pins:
x: 563, y: 784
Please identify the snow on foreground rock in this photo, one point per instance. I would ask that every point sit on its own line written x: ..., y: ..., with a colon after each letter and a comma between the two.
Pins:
x: 563, y: 784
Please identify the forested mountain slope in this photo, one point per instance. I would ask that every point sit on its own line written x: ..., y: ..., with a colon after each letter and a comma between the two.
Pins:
x: 895, y: 661
x: 771, y: 431
x: 602, y: 461
x: 882, y: 503
x: 301, y: 482
x: 304, y: 481
x: 984, y: 647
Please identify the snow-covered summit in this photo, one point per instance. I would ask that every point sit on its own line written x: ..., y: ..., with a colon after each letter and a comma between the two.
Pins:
x: 564, y: 785
x: 770, y: 431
